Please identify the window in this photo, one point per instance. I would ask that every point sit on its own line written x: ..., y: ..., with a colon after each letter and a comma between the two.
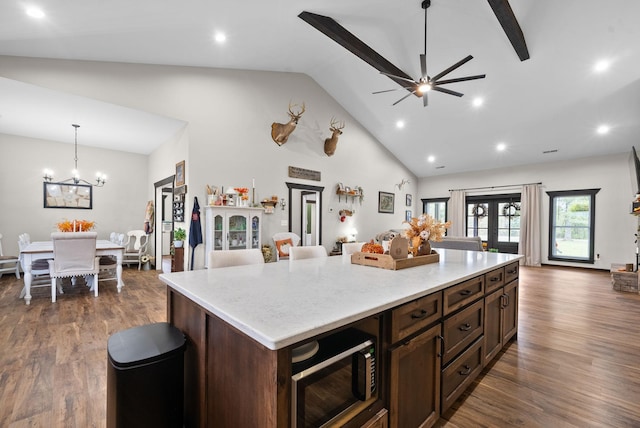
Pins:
x: 496, y: 220
x: 571, y: 225
x: 436, y: 208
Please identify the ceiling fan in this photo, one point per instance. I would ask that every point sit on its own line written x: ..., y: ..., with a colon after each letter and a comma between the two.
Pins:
x: 343, y: 37
x: 427, y: 83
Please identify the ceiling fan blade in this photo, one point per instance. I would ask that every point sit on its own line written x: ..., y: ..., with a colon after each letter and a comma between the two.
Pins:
x: 423, y: 66
x: 329, y: 27
x: 447, y: 91
x: 509, y: 23
x: 460, y: 79
x: 406, y: 96
x: 391, y: 90
x: 398, y: 77
x: 453, y: 67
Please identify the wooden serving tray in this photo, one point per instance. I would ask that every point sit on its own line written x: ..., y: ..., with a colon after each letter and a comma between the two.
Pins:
x: 385, y: 261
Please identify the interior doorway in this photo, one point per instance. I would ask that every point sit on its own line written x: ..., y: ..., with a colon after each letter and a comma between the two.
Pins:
x: 164, y: 223
x: 310, y: 215
x: 305, y: 212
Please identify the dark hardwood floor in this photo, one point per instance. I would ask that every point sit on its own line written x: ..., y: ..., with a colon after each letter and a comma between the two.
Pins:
x: 575, y: 363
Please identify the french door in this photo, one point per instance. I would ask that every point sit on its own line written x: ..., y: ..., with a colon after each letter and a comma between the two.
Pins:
x: 496, y: 219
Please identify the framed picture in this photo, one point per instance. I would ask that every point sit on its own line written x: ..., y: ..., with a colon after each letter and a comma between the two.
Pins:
x: 386, y: 202
x: 407, y: 199
x: 65, y: 195
x: 407, y: 215
x: 180, y: 174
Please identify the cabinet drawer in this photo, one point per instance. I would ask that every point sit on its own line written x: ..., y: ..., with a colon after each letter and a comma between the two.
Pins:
x: 460, y: 295
x: 413, y: 316
x: 493, y: 280
x: 460, y: 373
x: 462, y: 329
x: 511, y: 272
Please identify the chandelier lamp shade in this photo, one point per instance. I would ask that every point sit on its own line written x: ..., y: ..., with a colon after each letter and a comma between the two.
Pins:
x: 100, y: 180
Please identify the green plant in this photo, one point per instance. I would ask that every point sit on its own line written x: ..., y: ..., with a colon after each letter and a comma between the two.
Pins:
x: 179, y: 234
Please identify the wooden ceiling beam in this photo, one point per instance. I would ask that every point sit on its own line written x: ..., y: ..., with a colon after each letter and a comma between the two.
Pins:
x: 504, y: 13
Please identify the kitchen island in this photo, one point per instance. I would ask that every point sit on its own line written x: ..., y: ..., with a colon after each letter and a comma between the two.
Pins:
x: 242, y: 323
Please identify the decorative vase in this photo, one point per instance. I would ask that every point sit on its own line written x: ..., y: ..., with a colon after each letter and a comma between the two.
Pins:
x: 424, y: 249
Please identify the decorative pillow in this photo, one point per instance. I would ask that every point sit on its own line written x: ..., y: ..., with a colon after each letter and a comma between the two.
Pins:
x: 283, y: 247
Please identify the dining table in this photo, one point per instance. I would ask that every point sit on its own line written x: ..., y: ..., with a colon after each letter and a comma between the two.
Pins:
x: 44, y: 250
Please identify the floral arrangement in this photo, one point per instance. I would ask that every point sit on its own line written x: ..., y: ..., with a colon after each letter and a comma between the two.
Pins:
x: 243, y: 191
x: 426, y: 228
x: 76, y: 225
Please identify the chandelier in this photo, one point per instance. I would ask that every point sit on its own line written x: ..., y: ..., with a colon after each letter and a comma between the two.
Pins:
x: 101, y: 179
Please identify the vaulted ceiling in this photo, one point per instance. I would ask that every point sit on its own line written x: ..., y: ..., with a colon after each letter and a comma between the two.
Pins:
x: 546, y: 108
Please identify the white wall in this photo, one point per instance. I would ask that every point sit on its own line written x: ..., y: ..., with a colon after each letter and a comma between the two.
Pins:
x: 615, y: 227
x: 229, y: 115
x: 117, y: 207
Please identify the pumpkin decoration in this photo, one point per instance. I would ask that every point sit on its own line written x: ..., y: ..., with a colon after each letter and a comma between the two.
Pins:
x: 370, y: 247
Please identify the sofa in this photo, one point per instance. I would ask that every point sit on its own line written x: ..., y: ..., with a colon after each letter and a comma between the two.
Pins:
x: 473, y: 243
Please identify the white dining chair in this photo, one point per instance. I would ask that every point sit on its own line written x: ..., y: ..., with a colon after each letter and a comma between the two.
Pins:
x: 224, y: 258
x: 135, y: 247
x: 308, y: 252
x: 39, y: 267
x: 349, y: 248
x: 74, y: 254
x: 9, y: 263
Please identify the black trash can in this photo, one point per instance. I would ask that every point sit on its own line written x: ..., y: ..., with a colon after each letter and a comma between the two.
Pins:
x: 145, y: 377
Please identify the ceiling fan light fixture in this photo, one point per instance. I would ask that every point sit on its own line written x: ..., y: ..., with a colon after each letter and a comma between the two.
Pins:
x: 424, y: 87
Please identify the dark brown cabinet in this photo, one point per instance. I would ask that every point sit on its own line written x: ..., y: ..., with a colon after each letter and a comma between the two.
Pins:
x: 462, y: 371
x: 414, y: 381
x: 501, y: 315
x: 177, y: 260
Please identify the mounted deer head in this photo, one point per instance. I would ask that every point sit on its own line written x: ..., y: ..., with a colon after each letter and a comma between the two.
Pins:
x: 331, y: 143
x: 280, y: 132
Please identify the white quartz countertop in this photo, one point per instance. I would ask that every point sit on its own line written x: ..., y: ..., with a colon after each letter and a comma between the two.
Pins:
x: 280, y: 304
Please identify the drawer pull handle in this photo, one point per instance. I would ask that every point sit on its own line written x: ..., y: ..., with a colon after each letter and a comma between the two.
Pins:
x: 419, y: 315
x: 465, y: 327
x: 495, y: 278
x: 465, y: 292
x: 512, y: 272
x: 466, y: 370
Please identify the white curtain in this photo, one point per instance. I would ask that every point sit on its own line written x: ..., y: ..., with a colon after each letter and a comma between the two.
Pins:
x: 530, y: 225
x: 456, y: 213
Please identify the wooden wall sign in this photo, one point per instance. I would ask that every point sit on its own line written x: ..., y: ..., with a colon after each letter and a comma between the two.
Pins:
x: 306, y: 174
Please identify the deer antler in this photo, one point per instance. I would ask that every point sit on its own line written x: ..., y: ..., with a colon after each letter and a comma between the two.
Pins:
x: 334, y: 122
x: 295, y: 115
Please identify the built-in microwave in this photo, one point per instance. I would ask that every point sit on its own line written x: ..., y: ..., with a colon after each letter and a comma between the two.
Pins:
x: 337, y: 382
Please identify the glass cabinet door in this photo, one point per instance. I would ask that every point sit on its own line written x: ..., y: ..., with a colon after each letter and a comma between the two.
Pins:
x: 237, y: 235
x: 255, y: 232
x: 218, y: 232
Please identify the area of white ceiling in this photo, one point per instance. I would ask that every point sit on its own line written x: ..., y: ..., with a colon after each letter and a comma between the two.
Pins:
x: 37, y: 112
x: 553, y: 101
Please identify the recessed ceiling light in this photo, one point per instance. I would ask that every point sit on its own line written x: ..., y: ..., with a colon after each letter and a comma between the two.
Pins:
x: 603, y: 129
x: 477, y: 102
x: 501, y: 147
x: 400, y: 124
x: 35, y: 12
x: 220, y: 37
x: 601, y: 66
x: 431, y: 159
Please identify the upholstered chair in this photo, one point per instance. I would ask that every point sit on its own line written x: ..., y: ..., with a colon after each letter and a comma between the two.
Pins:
x: 224, y: 258
x: 307, y: 252
x: 74, y: 254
